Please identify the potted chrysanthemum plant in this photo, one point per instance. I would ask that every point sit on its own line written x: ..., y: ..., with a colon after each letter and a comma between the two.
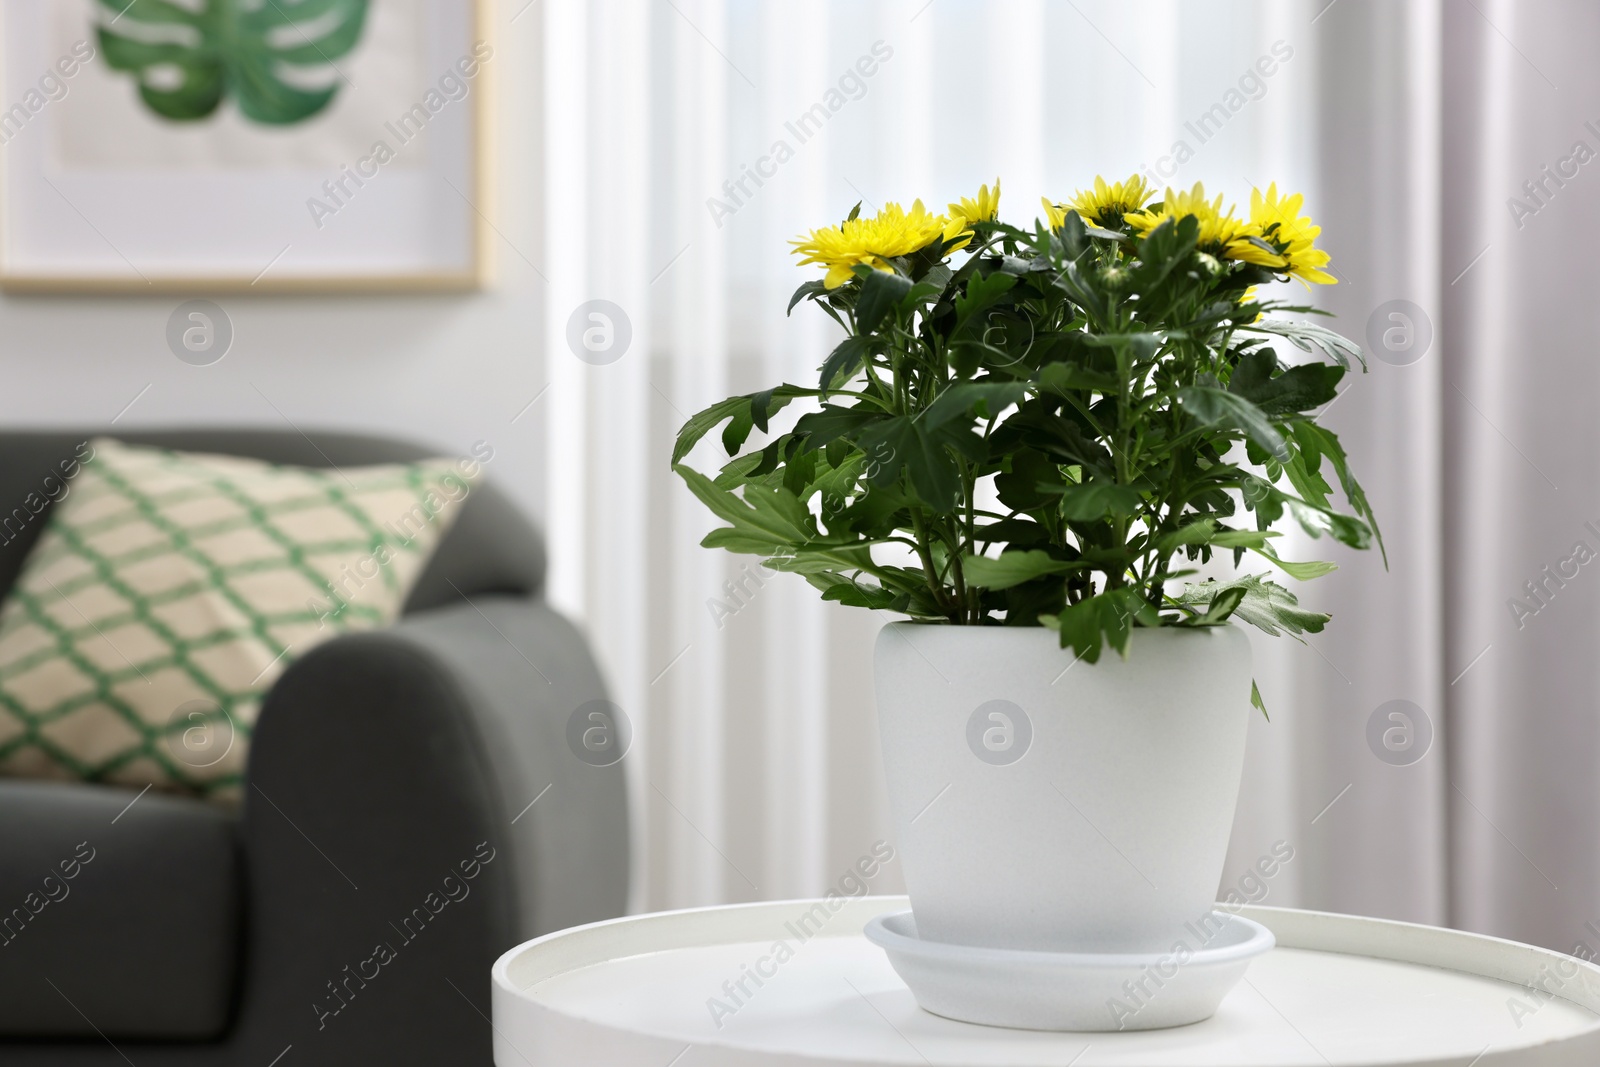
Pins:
x: 1026, y: 443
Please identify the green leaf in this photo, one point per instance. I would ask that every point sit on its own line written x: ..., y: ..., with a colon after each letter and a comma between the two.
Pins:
x: 990, y: 398
x: 233, y: 45
x: 764, y: 521
x: 851, y: 593
x: 1256, y: 367
x: 1198, y: 532
x: 1014, y: 568
x: 1308, y: 336
x: 1107, y: 619
x: 1141, y: 347
x: 1318, y: 441
x: 1297, y: 389
x: 1267, y: 606
x: 1073, y: 234
x: 984, y: 291
x: 1033, y: 479
x: 1072, y: 280
x: 1206, y: 532
x: 1218, y: 407
x: 820, y: 429
x: 1056, y: 434
x: 1317, y: 521
x: 1256, y: 701
x: 820, y: 558
x: 798, y: 471
x: 903, y: 443
x: 844, y: 361
x: 1313, y: 510
x: 1226, y: 538
x: 737, y: 432
x: 702, y: 422
x: 1164, y: 248
x: 1304, y: 572
x: 928, y: 288
x: 1098, y: 500
x: 1067, y: 378
x: 764, y: 405
x: 738, y: 408
x: 1221, y: 606
x: 738, y: 470
x: 881, y: 292
x: 807, y: 291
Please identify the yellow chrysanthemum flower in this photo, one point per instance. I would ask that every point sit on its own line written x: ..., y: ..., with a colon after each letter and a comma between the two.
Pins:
x: 892, y: 232
x: 1222, y: 234
x: 964, y: 212
x: 1054, y: 214
x: 1291, y: 233
x: 1105, y: 205
x: 985, y: 208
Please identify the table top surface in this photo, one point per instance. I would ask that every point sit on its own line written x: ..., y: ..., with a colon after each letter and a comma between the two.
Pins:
x: 1338, y: 990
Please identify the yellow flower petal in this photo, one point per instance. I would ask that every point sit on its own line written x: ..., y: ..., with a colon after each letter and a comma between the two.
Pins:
x: 1106, y: 204
x: 1055, y: 214
x: 985, y: 207
x: 1283, y: 227
x: 892, y: 232
x: 1222, y: 234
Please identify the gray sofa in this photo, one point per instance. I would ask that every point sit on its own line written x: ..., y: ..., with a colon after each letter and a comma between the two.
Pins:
x: 385, y: 853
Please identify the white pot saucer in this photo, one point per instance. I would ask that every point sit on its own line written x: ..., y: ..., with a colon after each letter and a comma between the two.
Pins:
x: 1075, y: 991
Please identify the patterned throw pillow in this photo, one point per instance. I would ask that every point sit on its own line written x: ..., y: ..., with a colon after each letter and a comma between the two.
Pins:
x: 170, y: 590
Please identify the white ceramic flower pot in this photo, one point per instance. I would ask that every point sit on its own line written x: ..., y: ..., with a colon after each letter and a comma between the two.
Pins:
x: 1046, y: 805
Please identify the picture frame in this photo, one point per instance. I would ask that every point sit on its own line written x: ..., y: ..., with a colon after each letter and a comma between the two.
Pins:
x: 341, y: 153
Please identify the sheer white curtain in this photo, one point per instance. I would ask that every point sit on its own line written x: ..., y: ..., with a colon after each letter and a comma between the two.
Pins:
x: 686, y: 140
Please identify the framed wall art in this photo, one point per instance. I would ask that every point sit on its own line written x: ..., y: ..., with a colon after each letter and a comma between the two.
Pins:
x: 256, y: 145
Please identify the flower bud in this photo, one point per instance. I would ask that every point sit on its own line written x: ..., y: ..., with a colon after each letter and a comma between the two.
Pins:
x: 1115, y: 276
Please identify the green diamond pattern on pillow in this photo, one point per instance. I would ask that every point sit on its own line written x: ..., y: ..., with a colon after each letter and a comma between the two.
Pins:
x: 170, y: 590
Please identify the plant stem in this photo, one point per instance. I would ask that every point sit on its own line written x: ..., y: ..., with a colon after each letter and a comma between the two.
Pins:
x: 920, y: 526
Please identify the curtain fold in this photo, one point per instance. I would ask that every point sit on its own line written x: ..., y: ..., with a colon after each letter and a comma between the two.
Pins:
x: 1520, y: 381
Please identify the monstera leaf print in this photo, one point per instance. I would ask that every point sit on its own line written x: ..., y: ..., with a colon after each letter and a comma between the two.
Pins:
x: 188, y: 57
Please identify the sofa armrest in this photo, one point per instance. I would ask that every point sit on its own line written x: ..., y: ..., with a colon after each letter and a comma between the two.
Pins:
x: 389, y: 846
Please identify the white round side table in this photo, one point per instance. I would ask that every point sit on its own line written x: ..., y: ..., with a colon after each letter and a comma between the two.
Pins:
x: 794, y: 983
